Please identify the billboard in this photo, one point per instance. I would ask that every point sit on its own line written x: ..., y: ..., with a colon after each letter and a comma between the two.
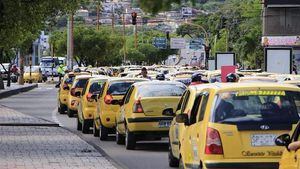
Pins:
x: 278, y: 60
x: 178, y: 43
x: 224, y: 59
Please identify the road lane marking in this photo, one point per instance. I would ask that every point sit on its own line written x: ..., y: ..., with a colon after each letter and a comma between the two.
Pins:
x: 55, y: 119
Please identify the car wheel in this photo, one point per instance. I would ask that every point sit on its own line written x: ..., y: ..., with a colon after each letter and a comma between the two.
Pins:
x: 70, y: 113
x: 173, y: 161
x: 95, y: 130
x: 61, y: 109
x: 181, y: 165
x: 103, y: 132
x: 85, y: 126
x: 130, y: 140
x: 79, y: 125
x: 119, y: 138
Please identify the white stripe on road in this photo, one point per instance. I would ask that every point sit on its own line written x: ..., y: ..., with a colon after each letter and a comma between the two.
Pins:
x: 55, y: 119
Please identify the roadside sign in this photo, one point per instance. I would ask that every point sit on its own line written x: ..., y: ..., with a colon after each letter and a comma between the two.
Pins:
x: 196, y: 44
x: 160, y: 42
x: 178, y: 43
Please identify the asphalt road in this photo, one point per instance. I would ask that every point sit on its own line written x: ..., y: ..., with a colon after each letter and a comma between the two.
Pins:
x: 41, y: 102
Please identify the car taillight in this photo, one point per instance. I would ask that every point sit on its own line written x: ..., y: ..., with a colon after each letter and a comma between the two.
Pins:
x: 89, y: 97
x: 72, y: 92
x: 137, y: 107
x: 108, y: 99
x: 213, y: 142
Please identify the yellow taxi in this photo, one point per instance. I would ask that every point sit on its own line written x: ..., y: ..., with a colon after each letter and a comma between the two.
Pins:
x: 87, y: 104
x: 236, y: 126
x: 63, y: 91
x: 113, y: 90
x: 33, y: 74
x: 189, y: 104
x: 293, y: 82
x: 75, y: 93
x: 147, y: 111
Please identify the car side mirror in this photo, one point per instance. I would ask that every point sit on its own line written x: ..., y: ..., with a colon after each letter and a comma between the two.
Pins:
x: 78, y: 94
x: 168, y: 112
x: 116, y: 102
x: 283, y: 140
x: 57, y: 85
x: 94, y: 97
x: 182, y: 118
x: 121, y: 102
x: 66, y: 88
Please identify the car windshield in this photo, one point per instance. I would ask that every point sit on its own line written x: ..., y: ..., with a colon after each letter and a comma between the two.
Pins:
x: 245, y: 107
x: 119, y: 87
x: 160, y: 90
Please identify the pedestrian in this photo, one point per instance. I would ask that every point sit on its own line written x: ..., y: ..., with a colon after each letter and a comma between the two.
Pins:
x: 197, y: 79
x: 144, y: 73
x: 295, y: 69
x: 61, y: 71
x: 232, y: 78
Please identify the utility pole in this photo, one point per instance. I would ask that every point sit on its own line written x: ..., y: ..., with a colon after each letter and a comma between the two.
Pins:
x: 70, y: 42
x: 135, y: 37
x: 98, y: 16
x: 21, y: 77
x: 113, y: 19
x: 124, y: 39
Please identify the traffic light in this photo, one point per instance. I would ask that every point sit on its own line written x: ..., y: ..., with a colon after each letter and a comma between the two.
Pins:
x: 133, y: 15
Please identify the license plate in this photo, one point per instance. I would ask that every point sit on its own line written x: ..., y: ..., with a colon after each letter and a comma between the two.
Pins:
x: 258, y: 140
x: 164, y: 124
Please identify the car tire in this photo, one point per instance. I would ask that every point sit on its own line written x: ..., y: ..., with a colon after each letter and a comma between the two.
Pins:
x: 70, y: 113
x: 61, y: 109
x: 173, y: 161
x: 85, y: 126
x: 130, y: 140
x: 103, y: 132
x: 95, y: 130
x: 181, y: 165
x: 79, y: 125
x: 119, y: 138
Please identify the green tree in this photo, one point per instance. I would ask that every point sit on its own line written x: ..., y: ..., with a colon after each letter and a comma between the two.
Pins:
x: 135, y: 56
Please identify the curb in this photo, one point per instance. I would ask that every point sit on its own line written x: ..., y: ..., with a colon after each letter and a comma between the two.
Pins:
x: 17, y: 91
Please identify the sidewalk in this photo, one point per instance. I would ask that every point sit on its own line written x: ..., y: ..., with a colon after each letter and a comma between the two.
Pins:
x: 15, y: 89
x: 42, y: 147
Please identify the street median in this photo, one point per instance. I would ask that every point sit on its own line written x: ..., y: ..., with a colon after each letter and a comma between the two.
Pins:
x: 15, y: 89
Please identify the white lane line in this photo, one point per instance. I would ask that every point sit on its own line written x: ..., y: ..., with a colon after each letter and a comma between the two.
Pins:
x: 55, y: 119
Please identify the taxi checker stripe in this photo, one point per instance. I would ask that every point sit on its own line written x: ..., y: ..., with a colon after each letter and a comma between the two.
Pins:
x: 243, y: 165
x: 148, y: 119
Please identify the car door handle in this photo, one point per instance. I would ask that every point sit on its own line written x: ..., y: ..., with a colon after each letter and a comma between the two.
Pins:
x: 295, y: 158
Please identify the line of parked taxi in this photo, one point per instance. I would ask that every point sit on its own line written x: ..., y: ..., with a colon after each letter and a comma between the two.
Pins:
x: 251, y: 124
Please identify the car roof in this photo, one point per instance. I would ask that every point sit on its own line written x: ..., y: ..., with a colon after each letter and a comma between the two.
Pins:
x: 138, y: 84
x: 97, y: 78
x: 83, y: 77
x: 113, y: 79
x: 229, y: 86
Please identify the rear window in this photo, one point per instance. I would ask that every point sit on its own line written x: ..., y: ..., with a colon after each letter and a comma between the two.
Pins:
x: 119, y: 87
x: 245, y: 107
x: 81, y: 83
x: 160, y: 90
x: 70, y: 79
x: 96, y: 87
